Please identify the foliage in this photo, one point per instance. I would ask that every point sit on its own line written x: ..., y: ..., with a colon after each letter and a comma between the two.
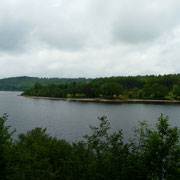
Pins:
x: 136, y: 87
x: 153, y: 153
x: 157, y: 151
x: 5, y: 146
x: 176, y: 90
x: 111, y: 88
x: 24, y: 82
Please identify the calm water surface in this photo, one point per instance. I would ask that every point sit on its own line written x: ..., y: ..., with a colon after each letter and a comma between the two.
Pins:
x: 71, y: 120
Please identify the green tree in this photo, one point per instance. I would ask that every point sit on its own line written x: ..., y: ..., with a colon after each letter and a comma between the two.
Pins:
x: 36, y: 155
x: 111, y: 88
x: 159, y: 91
x: 157, y: 151
x: 176, y: 90
x: 162, y: 151
x: 37, y: 85
x: 5, y: 146
x: 109, y: 152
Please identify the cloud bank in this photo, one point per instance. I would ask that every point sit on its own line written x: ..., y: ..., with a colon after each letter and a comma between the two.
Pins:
x: 60, y: 38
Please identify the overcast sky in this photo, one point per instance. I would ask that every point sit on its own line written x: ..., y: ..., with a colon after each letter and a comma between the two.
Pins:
x: 89, y: 38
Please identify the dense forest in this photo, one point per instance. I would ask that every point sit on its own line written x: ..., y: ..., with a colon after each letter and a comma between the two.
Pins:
x: 152, y: 153
x: 24, y: 82
x: 131, y: 87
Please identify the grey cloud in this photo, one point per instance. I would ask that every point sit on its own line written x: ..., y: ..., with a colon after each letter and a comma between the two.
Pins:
x: 131, y: 34
x: 64, y: 39
x: 30, y: 24
x: 13, y: 36
x: 139, y: 21
x: 75, y: 25
x: 88, y: 38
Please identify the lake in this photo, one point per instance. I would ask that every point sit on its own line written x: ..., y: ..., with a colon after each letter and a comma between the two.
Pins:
x: 70, y: 120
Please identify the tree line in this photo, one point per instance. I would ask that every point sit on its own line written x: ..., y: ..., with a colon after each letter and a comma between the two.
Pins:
x: 153, y: 153
x: 136, y: 87
x: 23, y: 82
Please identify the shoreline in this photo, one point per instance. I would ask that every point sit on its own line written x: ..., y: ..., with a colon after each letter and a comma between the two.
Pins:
x: 105, y: 100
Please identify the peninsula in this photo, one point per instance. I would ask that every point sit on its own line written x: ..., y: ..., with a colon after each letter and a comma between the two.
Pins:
x: 152, y: 88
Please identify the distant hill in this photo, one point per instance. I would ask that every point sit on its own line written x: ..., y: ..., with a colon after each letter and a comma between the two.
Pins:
x: 24, y: 82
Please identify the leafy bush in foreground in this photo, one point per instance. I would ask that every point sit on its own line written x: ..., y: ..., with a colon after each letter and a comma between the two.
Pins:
x: 151, y: 154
